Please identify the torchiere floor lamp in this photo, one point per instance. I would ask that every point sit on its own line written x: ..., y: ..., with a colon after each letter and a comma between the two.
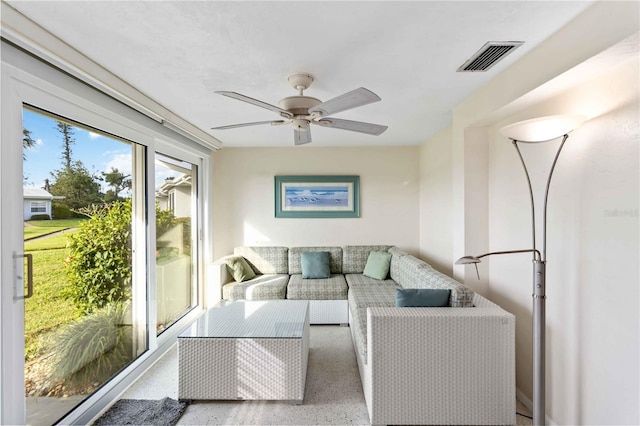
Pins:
x: 536, y: 130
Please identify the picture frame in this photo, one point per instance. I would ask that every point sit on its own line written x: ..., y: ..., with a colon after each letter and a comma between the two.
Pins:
x: 317, y: 196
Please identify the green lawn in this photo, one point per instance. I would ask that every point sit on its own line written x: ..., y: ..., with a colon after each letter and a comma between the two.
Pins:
x: 55, y: 242
x: 47, y: 309
x: 38, y: 228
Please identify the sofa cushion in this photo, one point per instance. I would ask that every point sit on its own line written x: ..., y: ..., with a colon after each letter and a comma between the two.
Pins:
x: 395, y: 251
x: 422, y: 297
x: 377, y: 265
x: 354, y: 280
x: 396, y: 263
x: 332, y: 288
x: 262, y: 287
x: 265, y: 260
x: 354, y: 258
x: 239, y: 268
x: 315, y: 264
x: 295, y: 253
x: 362, y: 297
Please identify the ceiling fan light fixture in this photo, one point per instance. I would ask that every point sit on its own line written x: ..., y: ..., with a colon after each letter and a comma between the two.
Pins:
x: 300, y: 124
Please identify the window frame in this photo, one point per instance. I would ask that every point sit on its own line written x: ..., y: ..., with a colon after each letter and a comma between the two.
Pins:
x: 27, y: 80
x: 38, y: 205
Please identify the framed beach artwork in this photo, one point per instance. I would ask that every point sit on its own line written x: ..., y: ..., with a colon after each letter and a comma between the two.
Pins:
x: 317, y: 196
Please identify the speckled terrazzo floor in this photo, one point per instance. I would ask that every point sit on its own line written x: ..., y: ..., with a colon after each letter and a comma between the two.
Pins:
x: 333, y: 394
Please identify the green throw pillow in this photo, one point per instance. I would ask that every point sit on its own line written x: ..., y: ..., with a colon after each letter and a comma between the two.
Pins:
x: 315, y: 264
x: 239, y: 269
x: 377, y: 266
x: 422, y: 297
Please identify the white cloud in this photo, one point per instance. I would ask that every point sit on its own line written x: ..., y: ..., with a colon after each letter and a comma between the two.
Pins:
x: 119, y: 161
x: 36, y: 146
x: 94, y: 135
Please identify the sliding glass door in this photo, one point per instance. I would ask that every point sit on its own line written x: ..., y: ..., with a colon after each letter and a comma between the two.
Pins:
x: 83, y: 321
x: 176, y: 255
x: 100, y: 233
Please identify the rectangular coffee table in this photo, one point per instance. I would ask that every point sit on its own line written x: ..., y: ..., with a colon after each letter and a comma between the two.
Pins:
x: 246, y: 350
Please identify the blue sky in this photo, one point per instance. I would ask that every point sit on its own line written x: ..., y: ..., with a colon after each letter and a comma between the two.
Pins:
x: 98, y: 153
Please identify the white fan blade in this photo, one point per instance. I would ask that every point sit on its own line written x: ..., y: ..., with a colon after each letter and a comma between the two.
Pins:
x: 301, y: 137
x: 256, y: 102
x: 353, y: 99
x: 255, y: 123
x: 354, y: 126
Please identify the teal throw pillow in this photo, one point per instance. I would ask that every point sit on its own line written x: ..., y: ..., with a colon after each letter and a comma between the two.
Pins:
x: 239, y: 269
x: 315, y: 264
x: 422, y: 297
x: 377, y: 266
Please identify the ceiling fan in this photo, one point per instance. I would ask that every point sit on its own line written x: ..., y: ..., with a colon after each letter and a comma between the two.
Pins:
x: 301, y: 111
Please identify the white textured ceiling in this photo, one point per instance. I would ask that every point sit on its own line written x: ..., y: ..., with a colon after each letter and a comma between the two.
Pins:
x: 180, y: 52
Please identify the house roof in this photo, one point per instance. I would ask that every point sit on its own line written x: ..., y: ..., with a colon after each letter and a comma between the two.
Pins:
x: 36, y: 193
x: 167, y: 185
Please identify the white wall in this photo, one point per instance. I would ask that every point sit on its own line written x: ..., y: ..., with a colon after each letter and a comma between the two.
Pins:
x: 435, y: 202
x: 593, y: 320
x: 26, y: 208
x: 244, y: 197
x: 592, y: 249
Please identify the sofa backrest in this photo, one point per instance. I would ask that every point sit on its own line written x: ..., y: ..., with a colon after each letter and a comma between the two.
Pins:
x: 354, y: 258
x: 265, y: 260
x: 410, y: 272
x: 335, y: 258
x: 461, y: 296
x: 405, y: 269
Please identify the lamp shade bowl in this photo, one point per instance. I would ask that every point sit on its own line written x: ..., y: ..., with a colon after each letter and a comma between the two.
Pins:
x: 467, y: 260
x: 542, y: 129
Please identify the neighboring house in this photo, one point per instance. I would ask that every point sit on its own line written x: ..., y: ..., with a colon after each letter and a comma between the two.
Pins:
x: 37, y: 201
x: 175, y: 195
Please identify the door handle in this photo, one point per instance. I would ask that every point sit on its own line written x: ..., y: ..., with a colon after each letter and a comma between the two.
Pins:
x: 29, y: 258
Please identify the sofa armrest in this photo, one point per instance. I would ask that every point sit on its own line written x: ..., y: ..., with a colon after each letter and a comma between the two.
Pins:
x: 218, y: 275
x: 441, y: 365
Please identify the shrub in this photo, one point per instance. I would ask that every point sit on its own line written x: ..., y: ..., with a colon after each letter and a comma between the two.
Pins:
x: 99, y: 262
x: 165, y: 221
x: 40, y: 217
x: 186, y: 235
x: 60, y: 211
x: 93, y: 348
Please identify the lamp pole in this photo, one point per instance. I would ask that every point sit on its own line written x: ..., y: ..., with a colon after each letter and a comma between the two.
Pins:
x: 539, y: 293
x: 540, y: 130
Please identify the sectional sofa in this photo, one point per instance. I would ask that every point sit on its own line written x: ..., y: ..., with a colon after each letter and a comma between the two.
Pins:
x: 418, y: 365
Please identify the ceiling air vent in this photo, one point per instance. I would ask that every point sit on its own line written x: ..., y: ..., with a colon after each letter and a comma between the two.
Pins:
x: 489, y: 55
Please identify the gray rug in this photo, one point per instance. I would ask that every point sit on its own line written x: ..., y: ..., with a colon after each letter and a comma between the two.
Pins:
x: 162, y: 412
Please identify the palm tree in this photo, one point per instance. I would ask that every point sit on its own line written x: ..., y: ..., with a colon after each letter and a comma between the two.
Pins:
x: 27, y: 141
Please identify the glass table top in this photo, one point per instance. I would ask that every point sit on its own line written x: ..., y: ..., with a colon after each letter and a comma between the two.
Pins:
x: 251, y: 319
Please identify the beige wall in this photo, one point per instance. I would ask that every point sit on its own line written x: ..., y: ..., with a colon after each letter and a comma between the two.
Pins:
x: 244, y: 197
x: 592, y: 250
x: 435, y: 202
x: 464, y: 192
x: 593, y: 333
